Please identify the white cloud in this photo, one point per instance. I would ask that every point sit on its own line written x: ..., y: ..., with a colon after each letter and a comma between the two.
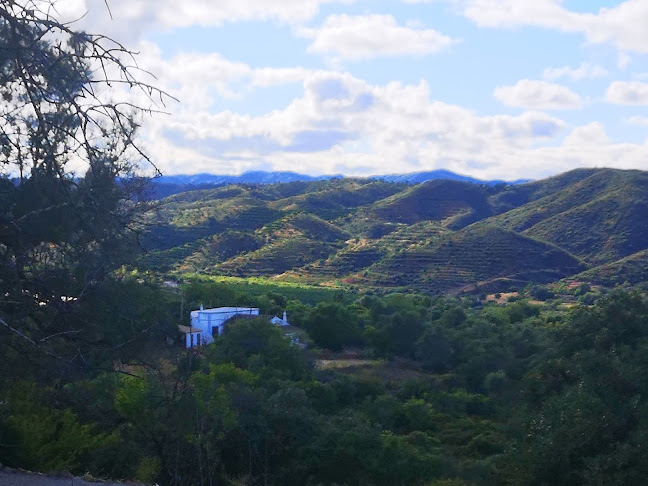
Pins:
x: 627, y: 93
x: 638, y: 120
x: 623, y: 25
x: 340, y: 123
x: 132, y: 18
x: 195, y: 78
x: 368, y: 36
x: 337, y: 122
x: 343, y: 124
x: 278, y: 76
x: 584, y: 71
x: 591, y: 134
x: 539, y: 95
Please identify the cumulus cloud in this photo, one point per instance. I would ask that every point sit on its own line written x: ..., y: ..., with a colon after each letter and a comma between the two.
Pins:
x: 369, y: 36
x: 336, y: 121
x: 133, y: 17
x: 539, y: 95
x: 627, y: 93
x: 278, y: 76
x: 623, y: 25
x: 341, y: 123
x: 584, y: 71
x: 590, y: 134
x: 197, y: 78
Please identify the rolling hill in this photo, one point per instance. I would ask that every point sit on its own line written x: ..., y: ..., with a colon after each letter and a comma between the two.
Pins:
x: 471, y: 257
x: 443, y: 235
x: 165, y: 186
x: 599, y: 216
x: 632, y: 269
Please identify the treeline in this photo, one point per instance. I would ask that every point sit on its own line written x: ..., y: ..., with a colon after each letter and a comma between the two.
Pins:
x: 460, y: 395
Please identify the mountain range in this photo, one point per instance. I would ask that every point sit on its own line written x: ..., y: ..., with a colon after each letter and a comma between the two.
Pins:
x: 173, y: 184
x: 442, y: 235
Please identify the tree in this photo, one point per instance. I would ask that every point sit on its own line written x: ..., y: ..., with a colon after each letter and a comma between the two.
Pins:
x: 332, y: 325
x: 584, y: 420
x: 62, y: 111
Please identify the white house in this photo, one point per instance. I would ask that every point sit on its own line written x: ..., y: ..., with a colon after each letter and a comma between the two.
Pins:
x: 210, y: 320
x: 280, y: 322
x: 205, y: 323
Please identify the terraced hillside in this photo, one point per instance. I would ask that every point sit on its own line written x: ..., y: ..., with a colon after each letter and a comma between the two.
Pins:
x: 333, y: 199
x: 632, y: 269
x: 600, y: 217
x: 519, y: 195
x: 362, y: 253
x: 473, y: 256
x: 454, y: 203
x: 441, y: 235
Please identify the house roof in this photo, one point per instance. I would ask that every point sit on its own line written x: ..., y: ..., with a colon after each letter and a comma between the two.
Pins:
x: 224, y: 310
x: 189, y: 330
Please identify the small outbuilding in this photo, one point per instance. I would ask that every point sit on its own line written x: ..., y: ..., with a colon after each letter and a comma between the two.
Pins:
x: 278, y: 321
x: 193, y: 336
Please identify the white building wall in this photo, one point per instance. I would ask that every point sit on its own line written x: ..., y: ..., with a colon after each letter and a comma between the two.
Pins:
x: 192, y: 339
x: 208, y: 319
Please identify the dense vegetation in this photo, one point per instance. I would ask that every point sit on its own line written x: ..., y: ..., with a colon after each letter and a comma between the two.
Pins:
x: 440, y: 236
x: 437, y: 391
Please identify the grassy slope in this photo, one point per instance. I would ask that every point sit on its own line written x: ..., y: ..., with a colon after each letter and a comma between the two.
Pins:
x: 289, y: 242
x: 519, y: 195
x: 455, y: 203
x: 599, y: 218
x: 337, y: 198
x: 471, y: 256
x: 260, y: 286
x: 632, y: 269
x: 376, y: 233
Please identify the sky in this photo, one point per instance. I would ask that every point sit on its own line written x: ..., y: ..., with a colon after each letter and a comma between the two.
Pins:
x: 494, y: 89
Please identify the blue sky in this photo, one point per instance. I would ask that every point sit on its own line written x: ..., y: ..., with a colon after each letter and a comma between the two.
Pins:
x: 489, y: 88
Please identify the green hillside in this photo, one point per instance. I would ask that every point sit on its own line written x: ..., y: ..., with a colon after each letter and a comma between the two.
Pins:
x: 632, y: 269
x: 519, y: 195
x: 473, y: 256
x: 441, y: 235
x: 304, y: 224
x: 338, y: 197
x: 276, y: 258
x: 455, y: 203
x: 599, y: 218
x: 361, y: 253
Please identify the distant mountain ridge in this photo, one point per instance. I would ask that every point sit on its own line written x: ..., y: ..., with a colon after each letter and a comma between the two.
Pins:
x: 420, y: 177
x: 174, y: 184
x: 251, y: 177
